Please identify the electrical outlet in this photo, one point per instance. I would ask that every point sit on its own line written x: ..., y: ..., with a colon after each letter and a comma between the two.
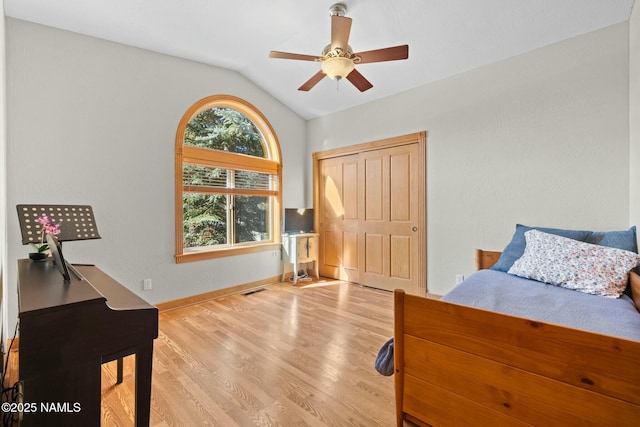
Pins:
x: 459, y: 278
x: 146, y: 284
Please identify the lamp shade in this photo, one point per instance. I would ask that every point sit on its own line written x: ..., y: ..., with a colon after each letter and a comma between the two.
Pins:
x: 337, y: 67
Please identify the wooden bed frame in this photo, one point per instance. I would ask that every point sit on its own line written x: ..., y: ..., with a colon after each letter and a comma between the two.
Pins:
x: 461, y: 366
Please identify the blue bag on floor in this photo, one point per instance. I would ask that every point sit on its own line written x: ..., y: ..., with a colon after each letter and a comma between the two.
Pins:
x: 384, y: 360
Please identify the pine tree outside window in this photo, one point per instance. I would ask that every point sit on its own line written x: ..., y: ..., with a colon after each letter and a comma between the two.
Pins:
x: 228, y: 180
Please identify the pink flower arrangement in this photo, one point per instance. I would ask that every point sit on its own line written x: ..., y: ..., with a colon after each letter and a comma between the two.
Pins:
x: 48, y: 227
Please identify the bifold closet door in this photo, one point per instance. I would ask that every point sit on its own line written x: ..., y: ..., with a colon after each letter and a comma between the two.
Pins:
x: 371, y: 218
x: 339, y: 218
x: 388, y: 226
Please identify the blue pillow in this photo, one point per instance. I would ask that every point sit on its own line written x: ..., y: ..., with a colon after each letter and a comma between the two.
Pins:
x: 515, y: 248
x: 625, y: 239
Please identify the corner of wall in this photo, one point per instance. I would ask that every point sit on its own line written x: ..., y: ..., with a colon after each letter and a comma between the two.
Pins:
x: 634, y: 115
x: 3, y: 186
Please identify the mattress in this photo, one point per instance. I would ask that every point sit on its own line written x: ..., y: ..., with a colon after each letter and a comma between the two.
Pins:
x: 509, y: 294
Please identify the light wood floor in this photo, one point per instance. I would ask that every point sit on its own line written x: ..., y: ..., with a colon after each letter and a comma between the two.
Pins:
x: 287, y: 356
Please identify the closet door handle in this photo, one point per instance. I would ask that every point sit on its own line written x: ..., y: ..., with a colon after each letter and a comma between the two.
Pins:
x: 415, y: 229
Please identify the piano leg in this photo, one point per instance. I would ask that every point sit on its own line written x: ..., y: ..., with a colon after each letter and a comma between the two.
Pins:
x: 120, y: 375
x: 144, y: 361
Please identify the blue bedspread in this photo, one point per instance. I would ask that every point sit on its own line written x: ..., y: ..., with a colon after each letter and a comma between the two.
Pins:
x: 506, y: 293
x: 509, y: 294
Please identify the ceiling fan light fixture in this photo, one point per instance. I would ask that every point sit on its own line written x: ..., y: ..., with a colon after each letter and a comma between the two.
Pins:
x: 337, y: 67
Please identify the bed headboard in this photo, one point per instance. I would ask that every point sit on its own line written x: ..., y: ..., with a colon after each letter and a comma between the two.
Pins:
x: 635, y: 288
x: 486, y: 259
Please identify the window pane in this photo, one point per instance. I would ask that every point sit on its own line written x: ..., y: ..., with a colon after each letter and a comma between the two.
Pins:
x: 251, y: 218
x: 224, y: 129
x: 254, y: 180
x: 196, y: 175
x: 204, y: 219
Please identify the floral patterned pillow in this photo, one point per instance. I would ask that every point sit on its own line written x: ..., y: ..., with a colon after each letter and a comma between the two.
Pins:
x: 584, y: 267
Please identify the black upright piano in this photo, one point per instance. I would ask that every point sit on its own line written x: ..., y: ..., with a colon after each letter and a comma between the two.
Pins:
x: 68, y: 329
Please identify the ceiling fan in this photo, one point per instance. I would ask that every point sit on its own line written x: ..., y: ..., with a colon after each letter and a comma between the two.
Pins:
x: 338, y: 60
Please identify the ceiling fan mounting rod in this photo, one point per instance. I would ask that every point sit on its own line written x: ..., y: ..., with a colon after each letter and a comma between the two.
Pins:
x: 338, y: 9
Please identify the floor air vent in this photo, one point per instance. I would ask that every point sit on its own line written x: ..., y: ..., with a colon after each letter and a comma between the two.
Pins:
x: 255, y: 291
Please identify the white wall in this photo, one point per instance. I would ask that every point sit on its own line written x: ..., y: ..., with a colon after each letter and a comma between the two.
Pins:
x: 3, y: 187
x: 634, y: 115
x: 539, y: 139
x: 94, y: 122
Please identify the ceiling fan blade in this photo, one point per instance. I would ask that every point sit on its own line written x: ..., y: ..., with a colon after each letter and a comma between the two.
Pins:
x: 359, y: 81
x: 340, y: 29
x: 286, y: 55
x: 312, y: 81
x: 386, y: 54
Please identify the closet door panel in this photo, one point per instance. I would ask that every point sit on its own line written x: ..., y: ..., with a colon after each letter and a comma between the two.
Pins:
x: 338, y: 218
x: 371, y: 213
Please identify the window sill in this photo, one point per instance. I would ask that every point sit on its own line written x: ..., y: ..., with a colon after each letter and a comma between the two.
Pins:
x: 220, y: 253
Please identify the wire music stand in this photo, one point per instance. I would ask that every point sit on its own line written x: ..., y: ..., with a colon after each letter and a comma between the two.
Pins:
x: 76, y: 222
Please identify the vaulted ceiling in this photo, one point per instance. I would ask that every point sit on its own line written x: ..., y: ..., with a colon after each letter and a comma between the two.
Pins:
x: 445, y: 37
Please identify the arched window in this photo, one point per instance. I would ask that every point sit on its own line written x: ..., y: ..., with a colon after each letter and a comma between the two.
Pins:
x: 228, y: 180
